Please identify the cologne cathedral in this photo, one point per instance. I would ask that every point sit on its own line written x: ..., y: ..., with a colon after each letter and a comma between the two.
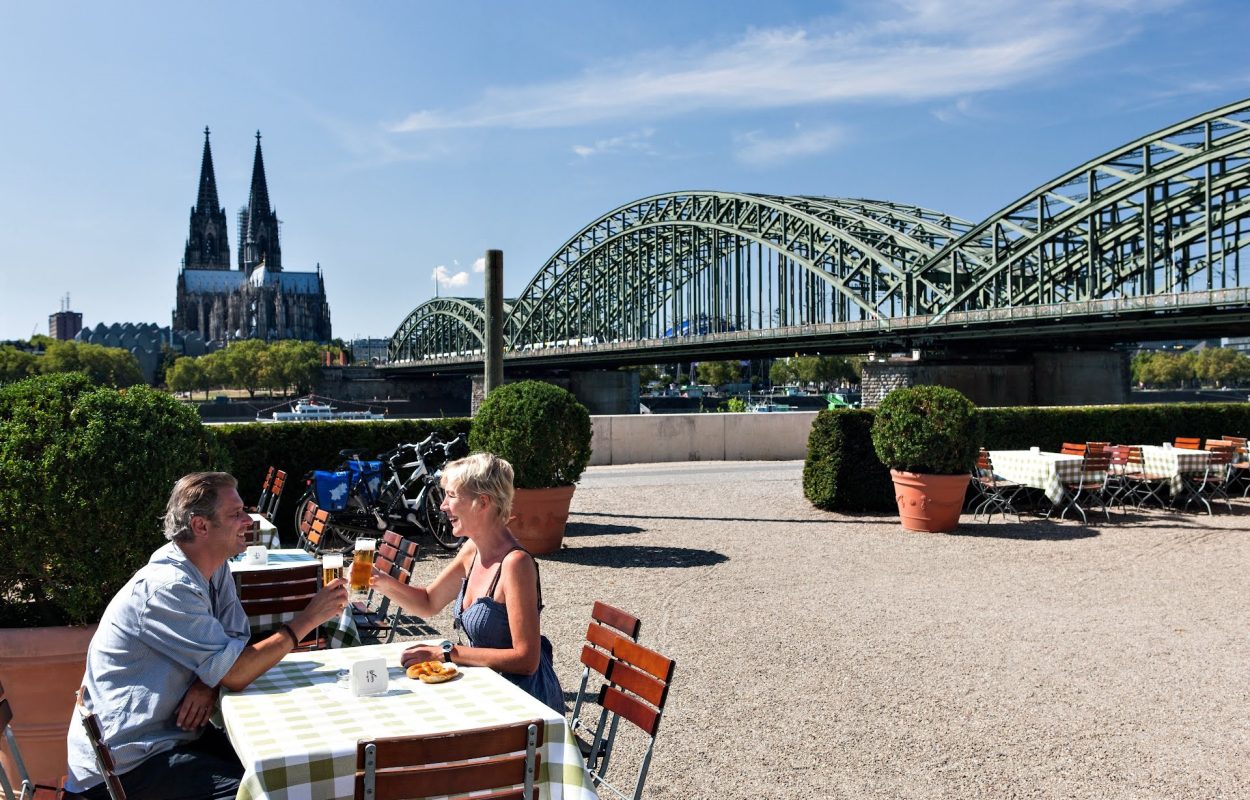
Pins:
x: 258, y: 300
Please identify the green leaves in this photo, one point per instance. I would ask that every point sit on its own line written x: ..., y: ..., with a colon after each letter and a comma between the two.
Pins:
x: 929, y: 429
x: 539, y: 428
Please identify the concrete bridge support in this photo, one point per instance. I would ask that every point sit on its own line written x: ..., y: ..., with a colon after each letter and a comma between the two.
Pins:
x: 601, y: 391
x: 1072, y: 378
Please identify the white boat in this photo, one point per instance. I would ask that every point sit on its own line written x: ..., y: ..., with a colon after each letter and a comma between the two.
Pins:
x: 308, y: 410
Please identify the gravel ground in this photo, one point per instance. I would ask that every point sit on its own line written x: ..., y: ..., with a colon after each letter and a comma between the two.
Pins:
x: 837, y: 656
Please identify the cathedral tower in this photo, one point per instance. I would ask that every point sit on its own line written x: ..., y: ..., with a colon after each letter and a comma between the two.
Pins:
x: 207, y: 247
x: 258, y: 224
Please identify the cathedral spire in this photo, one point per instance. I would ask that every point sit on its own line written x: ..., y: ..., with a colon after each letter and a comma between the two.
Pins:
x: 258, y: 224
x: 207, y: 247
x: 258, y: 201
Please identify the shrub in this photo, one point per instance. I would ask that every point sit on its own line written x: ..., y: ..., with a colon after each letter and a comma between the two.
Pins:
x: 540, y: 428
x: 85, y: 473
x: 928, y: 429
x: 842, y: 472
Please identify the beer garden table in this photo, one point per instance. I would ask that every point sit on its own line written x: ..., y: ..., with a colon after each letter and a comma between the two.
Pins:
x: 341, y: 632
x: 296, y: 727
x: 1174, y: 462
x: 1040, y: 470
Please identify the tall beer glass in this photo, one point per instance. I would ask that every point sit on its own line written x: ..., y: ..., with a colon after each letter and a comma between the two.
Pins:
x: 331, y: 567
x: 362, y: 563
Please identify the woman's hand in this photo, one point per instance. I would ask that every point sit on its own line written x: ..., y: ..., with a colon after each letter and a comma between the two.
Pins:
x: 380, y: 581
x: 419, y: 653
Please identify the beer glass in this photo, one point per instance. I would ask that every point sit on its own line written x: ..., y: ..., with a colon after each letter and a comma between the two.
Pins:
x: 331, y: 567
x: 362, y: 563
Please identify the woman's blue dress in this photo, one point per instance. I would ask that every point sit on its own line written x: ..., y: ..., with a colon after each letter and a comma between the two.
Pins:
x: 485, y: 623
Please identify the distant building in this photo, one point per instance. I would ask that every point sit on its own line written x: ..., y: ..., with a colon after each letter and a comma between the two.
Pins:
x: 258, y: 300
x: 144, y: 340
x: 370, y: 351
x: 64, y: 324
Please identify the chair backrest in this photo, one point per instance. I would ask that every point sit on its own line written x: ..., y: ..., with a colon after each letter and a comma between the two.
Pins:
x: 103, y: 757
x: 503, y: 760
x: 275, y: 495
x: 1096, y: 461
x: 1073, y: 449
x: 312, y: 540
x: 1187, y: 443
x: 1119, y: 456
x: 1095, y: 446
x: 637, y: 691
x: 279, y: 592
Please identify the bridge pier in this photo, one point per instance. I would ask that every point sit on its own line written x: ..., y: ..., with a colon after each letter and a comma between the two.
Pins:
x: 601, y: 391
x: 1068, y: 378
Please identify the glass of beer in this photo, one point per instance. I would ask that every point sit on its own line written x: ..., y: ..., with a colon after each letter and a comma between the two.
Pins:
x: 331, y: 567
x: 362, y: 563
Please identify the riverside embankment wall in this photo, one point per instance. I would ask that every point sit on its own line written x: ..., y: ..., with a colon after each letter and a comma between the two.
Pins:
x: 646, y: 438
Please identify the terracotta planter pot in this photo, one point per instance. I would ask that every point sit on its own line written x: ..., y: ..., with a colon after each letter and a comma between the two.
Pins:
x: 929, y: 503
x: 539, y: 517
x: 41, y: 668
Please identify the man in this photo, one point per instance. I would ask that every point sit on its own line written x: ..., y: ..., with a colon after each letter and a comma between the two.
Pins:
x: 173, y: 634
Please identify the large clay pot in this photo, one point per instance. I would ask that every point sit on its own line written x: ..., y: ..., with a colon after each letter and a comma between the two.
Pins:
x: 539, y: 517
x: 929, y: 503
x: 41, y: 669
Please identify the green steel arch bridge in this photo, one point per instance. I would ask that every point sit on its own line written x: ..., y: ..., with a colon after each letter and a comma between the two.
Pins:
x: 1146, y: 241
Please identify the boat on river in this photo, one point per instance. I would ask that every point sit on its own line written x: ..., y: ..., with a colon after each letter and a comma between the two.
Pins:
x: 309, y: 410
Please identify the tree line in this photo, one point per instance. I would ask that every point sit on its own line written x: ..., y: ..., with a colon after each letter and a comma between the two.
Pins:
x: 1211, y: 366
x: 821, y: 371
x: 105, y: 366
x: 250, y: 364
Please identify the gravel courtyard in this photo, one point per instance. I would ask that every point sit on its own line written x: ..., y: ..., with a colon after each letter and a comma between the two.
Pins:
x: 825, y: 655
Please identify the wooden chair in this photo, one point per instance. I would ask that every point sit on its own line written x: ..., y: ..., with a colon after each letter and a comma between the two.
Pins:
x: 381, y: 622
x: 265, y: 486
x: 27, y: 789
x: 1089, y: 488
x: 1072, y: 449
x: 994, y: 493
x: 275, y: 495
x: 1142, y: 486
x: 608, y: 626
x: 1241, y: 463
x: 1211, y: 483
x: 1187, y: 443
x: 310, y: 537
x: 275, y: 595
x: 502, y: 761
x: 103, y: 757
x: 637, y: 690
x: 1094, y: 447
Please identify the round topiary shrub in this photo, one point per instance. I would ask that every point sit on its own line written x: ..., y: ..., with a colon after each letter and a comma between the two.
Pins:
x: 539, y: 428
x: 926, y: 429
x: 85, y: 473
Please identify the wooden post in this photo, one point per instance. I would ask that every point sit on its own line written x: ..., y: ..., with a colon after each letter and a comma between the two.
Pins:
x: 494, y: 321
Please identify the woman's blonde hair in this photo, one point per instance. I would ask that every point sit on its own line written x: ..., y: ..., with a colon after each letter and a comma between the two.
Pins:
x: 483, y: 474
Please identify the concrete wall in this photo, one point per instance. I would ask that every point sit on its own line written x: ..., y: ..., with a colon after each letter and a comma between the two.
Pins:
x: 644, y: 438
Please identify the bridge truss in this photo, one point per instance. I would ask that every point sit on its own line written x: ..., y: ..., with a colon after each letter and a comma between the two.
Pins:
x: 1161, y: 216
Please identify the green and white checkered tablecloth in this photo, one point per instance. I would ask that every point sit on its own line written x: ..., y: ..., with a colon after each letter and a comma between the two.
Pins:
x: 1173, y: 462
x: 1042, y: 470
x: 268, y: 532
x: 295, y: 728
x: 341, y: 632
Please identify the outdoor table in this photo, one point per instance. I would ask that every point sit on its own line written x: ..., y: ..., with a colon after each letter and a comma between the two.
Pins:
x: 295, y: 728
x: 341, y: 632
x: 1040, y: 470
x: 1173, y: 462
x: 268, y: 535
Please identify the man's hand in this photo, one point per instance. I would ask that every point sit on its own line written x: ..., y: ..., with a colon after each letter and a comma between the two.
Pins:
x: 196, y: 706
x: 328, y: 602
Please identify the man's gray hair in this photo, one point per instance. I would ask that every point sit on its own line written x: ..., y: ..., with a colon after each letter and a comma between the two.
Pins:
x: 194, y: 495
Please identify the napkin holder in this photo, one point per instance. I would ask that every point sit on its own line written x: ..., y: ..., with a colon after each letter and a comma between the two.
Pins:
x: 256, y: 555
x: 368, y: 677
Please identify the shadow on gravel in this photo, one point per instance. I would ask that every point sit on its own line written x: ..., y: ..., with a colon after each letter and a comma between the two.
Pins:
x: 638, y: 556
x: 595, y: 529
x: 1026, y: 531
x: 702, y: 517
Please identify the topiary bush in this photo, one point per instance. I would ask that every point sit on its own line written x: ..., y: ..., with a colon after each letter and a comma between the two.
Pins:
x: 85, y: 473
x: 927, y: 429
x: 842, y: 472
x: 539, y: 428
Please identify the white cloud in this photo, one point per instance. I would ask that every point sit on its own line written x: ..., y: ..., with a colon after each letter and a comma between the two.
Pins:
x: 909, y: 50
x: 759, y: 150
x: 448, y: 279
x: 639, y: 141
x: 480, y: 264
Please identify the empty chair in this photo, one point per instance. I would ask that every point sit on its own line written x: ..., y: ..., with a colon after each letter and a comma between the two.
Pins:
x: 1211, y: 482
x: 263, y: 503
x: 636, y: 691
x: 310, y: 537
x: 1073, y: 449
x: 1089, y: 487
x: 1187, y: 443
x: 27, y: 789
x: 275, y: 495
x: 1140, y: 484
x: 271, y: 597
x: 381, y: 622
x: 608, y: 625
x: 994, y: 493
x: 502, y: 761
x: 103, y: 758
x: 1240, y: 468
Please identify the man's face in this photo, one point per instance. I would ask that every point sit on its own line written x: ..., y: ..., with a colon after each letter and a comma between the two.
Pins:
x: 227, y: 528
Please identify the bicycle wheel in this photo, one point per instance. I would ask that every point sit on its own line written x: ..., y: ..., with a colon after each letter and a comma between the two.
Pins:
x: 435, y: 521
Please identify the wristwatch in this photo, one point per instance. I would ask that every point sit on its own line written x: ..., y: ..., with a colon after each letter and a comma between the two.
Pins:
x: 446, y: 645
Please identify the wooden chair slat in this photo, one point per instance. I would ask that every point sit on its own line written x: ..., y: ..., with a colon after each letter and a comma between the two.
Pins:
x: 632, y: 709
x: 623, y: 621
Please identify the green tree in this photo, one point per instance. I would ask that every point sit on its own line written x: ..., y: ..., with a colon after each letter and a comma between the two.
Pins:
x: 16, y: 364
x: 292, y: 363
x: 1221, y: 366
x: 782, y: 372
x: 647, y: 374
x: 245, y: 361
x: 186, y: 375
x: 216, y: 371
x: 107, y: 366
x: 718, y: 373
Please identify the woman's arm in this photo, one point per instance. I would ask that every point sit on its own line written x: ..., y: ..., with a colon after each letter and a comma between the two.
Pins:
x: 426, y: 601
x: 518, y: 590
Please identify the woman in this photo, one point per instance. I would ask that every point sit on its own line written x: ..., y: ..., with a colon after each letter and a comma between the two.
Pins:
x: 493, y: 581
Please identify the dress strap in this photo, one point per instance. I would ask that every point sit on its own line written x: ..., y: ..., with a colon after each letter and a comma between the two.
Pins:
x: 499, y: 570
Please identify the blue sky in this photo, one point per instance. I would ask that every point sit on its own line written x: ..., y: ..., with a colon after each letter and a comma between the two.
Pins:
x: 402, y: 140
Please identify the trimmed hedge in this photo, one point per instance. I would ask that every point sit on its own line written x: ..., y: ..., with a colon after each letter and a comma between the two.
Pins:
x: 842, y: 472
x: 301, y: 447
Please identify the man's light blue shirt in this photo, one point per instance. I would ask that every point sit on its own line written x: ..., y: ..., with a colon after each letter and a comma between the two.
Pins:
x: 165, y: 628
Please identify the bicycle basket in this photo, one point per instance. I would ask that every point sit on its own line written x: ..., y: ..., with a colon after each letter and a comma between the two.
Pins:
x: 367, y: 475
x: 331, y: 489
